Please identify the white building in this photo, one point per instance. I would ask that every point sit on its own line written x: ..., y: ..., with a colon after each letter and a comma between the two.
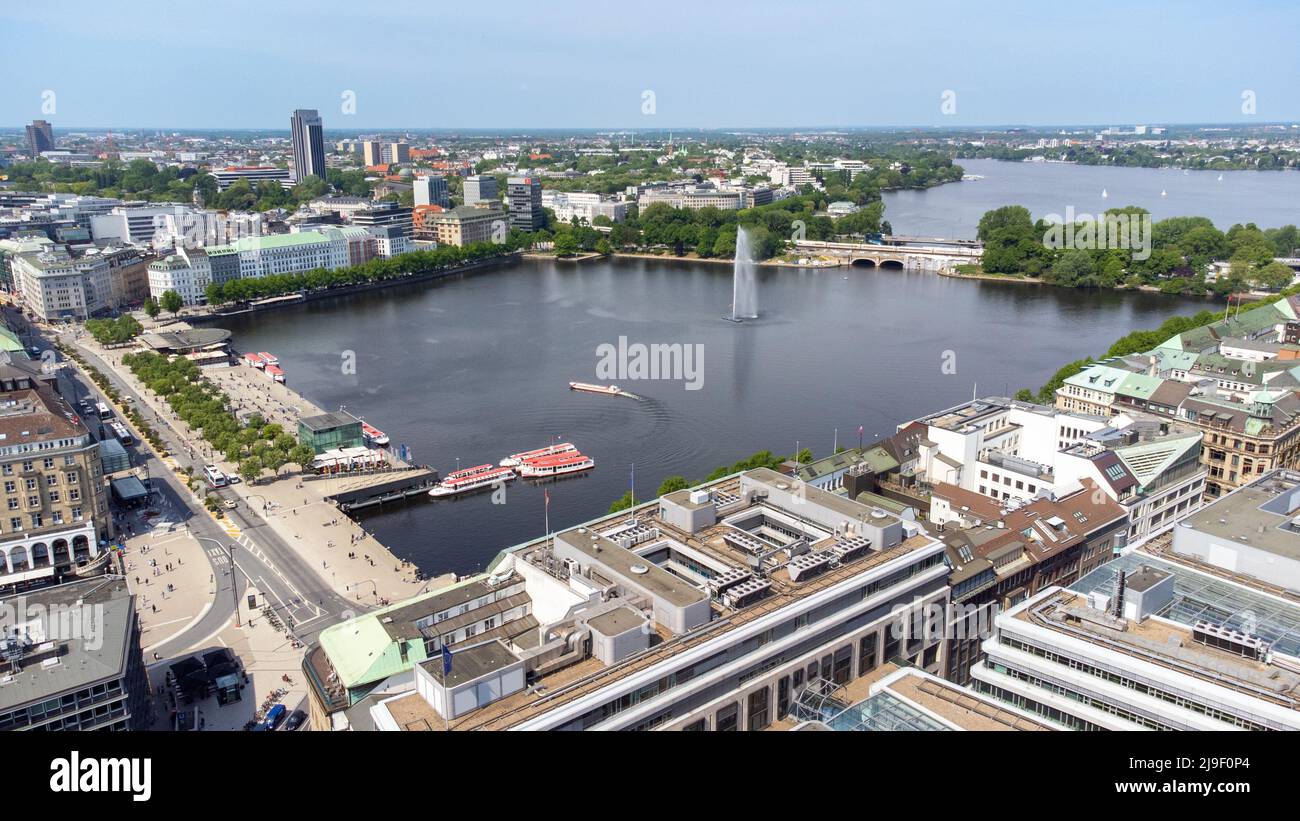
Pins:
x: 585, y: 206
x: 1170, y: 647
x: 54, y: 285
x: 291, y: 253
x: 1014, y: 452
x: 188, y: 272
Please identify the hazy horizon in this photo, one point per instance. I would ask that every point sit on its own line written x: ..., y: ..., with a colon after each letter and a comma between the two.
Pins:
x: 569, y: 65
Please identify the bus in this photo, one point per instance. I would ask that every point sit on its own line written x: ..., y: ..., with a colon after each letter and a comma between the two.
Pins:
x: 103, y: 410
x: 123, y: 435
x: 214, y: 476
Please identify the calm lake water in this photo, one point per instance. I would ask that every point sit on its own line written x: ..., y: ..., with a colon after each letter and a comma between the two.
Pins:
x: 477, y: 367
x: 1270, y: 199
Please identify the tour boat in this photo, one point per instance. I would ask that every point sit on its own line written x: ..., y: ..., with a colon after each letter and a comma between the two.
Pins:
x: 610, y: 390
x: 515, y: 459
x: 275, y: 372
x: 556, y: 465
x: 373, y: 435
x: 269, y: 359
x: 466, y: 472
x: 254, y: 360
x: 454, y: 485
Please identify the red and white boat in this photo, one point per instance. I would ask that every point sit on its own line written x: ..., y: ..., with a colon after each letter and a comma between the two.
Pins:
x: 464, y: 472
x: 268, y: 358
x: 373, y: 435
x: 274, y: 372
x: 255, y: 361
x: 458, y: 482
x: 560, y: 465
x: 516, y: 459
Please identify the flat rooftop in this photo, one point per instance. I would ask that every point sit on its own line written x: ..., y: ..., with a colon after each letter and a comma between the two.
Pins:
x: 1165, y: 643
x: 1258, y: 515
x: 78, y: 634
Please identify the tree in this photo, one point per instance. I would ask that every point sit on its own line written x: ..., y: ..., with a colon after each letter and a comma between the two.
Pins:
x: 250, y: 469
x: 171, y: 302
x: 303, y: 456
x: 673, y: 483
x: 275, y: 459
x: 151, y: 308
x: 1274, y: 275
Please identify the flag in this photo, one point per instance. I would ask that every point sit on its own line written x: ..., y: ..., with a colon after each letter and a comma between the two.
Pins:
x: 547, y: 494
x: 860, y: 429
x: 446, y: 660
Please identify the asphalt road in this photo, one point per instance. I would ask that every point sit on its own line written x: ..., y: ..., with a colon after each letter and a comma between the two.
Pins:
x: 304, y: 602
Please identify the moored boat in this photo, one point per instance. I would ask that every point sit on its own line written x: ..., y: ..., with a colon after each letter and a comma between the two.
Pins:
x: 454, y: 485
x: 373, y: 435
x: 516, y: 459
x: 556, y: 465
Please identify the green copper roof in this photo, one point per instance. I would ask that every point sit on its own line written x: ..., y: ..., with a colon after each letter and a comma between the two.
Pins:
x: 361, y: 650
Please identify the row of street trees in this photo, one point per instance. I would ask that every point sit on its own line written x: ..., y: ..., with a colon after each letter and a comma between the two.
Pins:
x: 255, y: 446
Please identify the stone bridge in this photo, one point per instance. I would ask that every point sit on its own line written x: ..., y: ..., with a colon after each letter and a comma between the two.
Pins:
x: 936, y: 255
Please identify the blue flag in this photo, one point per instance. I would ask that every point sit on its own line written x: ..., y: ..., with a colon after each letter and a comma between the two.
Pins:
x: 446, y: 660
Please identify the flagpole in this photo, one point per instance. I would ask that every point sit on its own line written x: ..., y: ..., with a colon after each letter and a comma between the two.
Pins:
x: 632, y: 491
x: 835, y: 448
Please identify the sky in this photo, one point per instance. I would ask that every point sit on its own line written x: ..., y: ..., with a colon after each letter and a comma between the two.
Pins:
x: 645, y: 66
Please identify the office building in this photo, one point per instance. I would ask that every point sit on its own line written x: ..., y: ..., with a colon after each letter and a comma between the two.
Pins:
x: 480, y: 189
x: 463, y: 225
x: 55, y: 513
x: 40, y: 138
x: 308, y: 135
x: 55, y: 285
x: 712, y: 608
x: 186, y: 271
x: 432, y: 190
x: 1152, y: 640
x: 1252, y: 531
x: 293, y: 253
x: 585, y: 207
x: 1235, y: 381
x: 525, y: 194
x: 72, y: 659
x: 254, y: 174
x: 385, y: 153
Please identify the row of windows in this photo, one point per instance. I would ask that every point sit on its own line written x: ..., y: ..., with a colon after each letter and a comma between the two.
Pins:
x: 1133, y: 684
x: 38, y: 519
x: 734, y: 652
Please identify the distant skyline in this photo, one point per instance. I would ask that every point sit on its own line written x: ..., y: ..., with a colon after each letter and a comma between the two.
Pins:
x: 568, y: 65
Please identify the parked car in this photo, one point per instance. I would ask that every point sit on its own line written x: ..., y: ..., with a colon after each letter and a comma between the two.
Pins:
x: 274, y: 717
x: 230, y: 504
x: 295, y: 721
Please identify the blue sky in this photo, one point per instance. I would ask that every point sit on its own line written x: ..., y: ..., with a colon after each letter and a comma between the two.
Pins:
x: 502, y: 64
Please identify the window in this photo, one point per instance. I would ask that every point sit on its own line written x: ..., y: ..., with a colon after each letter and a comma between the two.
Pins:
x: 758, y: 713
x: 867, y: 653
x: 725, y: 720
x: 782, y: 697
x: 842, y: 670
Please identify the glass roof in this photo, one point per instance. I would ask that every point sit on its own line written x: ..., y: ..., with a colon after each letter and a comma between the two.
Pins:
x: 1201, y: 596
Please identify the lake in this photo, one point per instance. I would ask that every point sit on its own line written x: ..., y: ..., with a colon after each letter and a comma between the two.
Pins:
x: 476, y: 367
x: 1270, y: 199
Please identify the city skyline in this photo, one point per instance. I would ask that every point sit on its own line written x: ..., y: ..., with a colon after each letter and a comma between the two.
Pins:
x: 707, y: 69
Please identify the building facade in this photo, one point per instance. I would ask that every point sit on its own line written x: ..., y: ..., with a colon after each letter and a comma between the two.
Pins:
x: 308, y: 137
